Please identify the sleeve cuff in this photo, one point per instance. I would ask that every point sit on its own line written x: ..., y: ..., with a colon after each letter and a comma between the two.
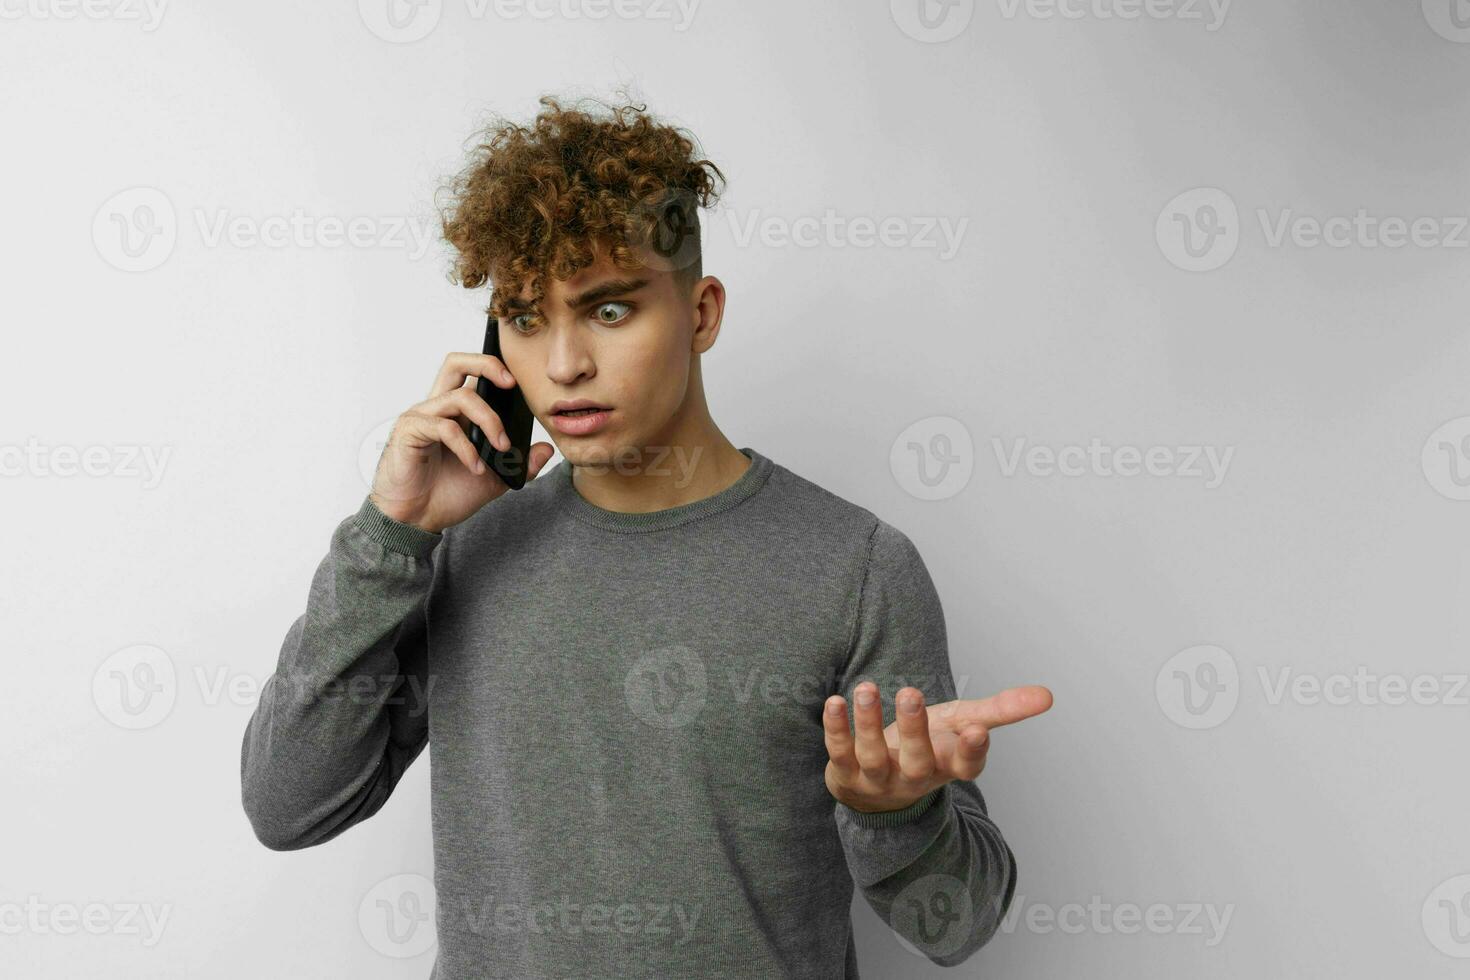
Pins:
x: 892, y: 818
x: 405, y: 539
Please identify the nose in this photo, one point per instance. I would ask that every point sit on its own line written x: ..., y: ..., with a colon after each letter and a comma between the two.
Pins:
x: 570, y: 358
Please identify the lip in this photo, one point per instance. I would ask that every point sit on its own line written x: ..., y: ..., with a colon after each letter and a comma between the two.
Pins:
x: 563, y: 406
x: 580, y: 425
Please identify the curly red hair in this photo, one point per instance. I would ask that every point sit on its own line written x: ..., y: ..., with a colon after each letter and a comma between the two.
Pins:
x: 539, y: 199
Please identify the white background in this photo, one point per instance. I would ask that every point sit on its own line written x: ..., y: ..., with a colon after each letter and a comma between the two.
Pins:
x: 1335, y: 543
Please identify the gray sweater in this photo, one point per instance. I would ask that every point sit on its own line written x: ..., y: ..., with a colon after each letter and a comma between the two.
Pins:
x: 625, y: 714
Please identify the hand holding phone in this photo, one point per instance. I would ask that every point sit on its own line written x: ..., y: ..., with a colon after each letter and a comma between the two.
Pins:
x: 439, y: 466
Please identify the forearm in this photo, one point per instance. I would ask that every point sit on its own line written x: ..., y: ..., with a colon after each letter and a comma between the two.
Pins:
x: 346, y: 710
x: 941, y: 875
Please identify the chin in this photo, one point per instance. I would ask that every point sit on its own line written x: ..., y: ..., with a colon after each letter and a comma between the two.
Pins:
x: 581, y: 450
x: 595, y: 450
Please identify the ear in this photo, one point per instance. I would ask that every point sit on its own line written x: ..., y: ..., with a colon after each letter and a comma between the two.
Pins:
x: 708, y: 312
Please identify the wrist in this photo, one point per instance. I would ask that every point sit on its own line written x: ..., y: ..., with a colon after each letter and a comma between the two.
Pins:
x: 402, y: 512
x: 393, y: 534
x: 895, y: 818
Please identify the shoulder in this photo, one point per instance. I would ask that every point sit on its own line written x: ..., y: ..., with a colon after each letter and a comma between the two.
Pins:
x: 810, y: 509
x: 814, y: 512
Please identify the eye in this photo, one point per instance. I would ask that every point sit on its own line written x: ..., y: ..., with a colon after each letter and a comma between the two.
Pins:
x: 517, y: 325
x: 602, y: 310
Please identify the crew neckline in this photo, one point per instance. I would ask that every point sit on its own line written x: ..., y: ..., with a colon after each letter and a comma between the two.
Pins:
x: 582, y: 509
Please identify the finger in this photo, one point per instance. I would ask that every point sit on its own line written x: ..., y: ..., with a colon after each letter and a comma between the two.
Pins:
x: 970, y: 753
x: 541, y: 454
x: 915, y: 751
x: 1006, y: 708
x: 459, y: 366
x: 836, y: 734
x: 417, y: 433
x: 871, y: 747
x: 466, y: 402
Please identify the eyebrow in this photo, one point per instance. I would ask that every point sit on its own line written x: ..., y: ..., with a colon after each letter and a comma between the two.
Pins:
x: 613, y: 287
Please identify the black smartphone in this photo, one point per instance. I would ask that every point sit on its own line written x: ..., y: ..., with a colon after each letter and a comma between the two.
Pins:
x: 515, y: 415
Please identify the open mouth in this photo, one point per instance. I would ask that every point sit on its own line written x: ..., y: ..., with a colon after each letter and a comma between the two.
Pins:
x: 579, y: 417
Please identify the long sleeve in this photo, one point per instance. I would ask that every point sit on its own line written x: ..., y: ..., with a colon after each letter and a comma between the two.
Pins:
x: 938, y: 872
x: 346, y: 710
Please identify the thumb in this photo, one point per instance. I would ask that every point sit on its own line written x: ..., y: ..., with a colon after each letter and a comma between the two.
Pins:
x: 541, y: 454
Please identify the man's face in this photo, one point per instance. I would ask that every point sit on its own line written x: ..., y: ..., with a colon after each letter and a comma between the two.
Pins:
x: 619, y: 338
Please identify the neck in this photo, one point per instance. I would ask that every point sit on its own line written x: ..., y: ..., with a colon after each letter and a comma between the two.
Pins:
x: 689, y: 460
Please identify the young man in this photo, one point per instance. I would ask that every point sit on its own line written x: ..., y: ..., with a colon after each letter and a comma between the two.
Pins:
x: 636, y: 671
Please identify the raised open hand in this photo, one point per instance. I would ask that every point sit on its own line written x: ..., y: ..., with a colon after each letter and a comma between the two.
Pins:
x: 880, y: 769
